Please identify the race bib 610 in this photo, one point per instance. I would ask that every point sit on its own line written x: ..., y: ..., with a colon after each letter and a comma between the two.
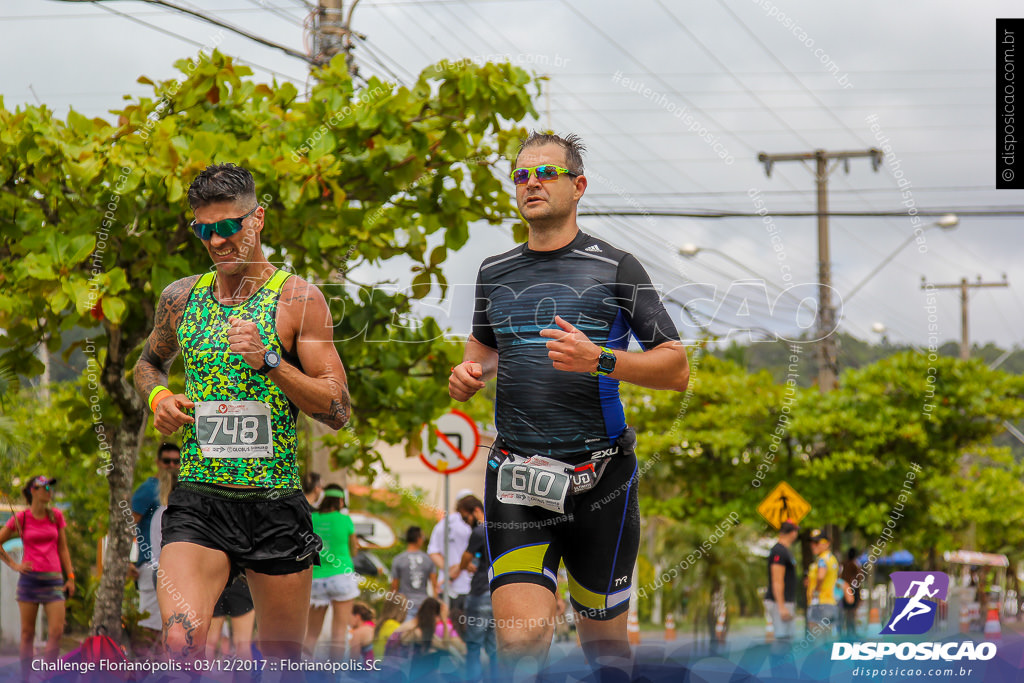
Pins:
x: 535, y: 481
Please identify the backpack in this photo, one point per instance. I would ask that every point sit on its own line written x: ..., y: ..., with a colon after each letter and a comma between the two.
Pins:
x: 95, y: 649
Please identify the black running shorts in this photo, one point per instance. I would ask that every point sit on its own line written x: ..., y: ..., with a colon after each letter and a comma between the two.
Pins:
x: 235, y: 601
x: 266, y: 530
x: 597, y: 537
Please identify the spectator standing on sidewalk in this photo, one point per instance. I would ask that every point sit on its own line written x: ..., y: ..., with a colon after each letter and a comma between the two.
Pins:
x: 413, y: 571
x: 822, y: 611
x: 44, y: 561
x: 780, y: 598
x: 479, y: 615
x: 453, y: 530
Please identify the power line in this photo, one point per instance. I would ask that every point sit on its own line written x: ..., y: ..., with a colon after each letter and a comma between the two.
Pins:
x: 798, y: 192
x: 656, y: 180
x: 196, y: 43
x: 274, y: 9
x: 789, y: 91
x: 63, y: 16
x: 775, y: 131
x: 902, y: 106
x: 996, y: 212
x: 630, y: 55
x: 939, y: 73
x: 380, y: 61
x: 469, y: 29
x: 410, y: 42
x: 223, y: 24
x: 964, y: 286
x: 714, y: 57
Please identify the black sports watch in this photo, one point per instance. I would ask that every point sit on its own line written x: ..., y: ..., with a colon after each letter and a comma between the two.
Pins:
x: 271, y: 359
x: 605, y: 362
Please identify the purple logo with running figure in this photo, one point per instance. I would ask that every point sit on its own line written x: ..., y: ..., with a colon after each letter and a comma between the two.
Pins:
x: 917, y: 596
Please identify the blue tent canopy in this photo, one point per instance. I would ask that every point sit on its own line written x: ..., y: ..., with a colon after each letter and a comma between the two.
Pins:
x: 897, y: 559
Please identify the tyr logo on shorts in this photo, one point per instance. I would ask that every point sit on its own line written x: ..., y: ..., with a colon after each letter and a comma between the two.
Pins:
x: 917, y: 596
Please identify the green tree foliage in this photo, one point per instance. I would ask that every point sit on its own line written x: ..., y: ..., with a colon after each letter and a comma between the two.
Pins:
x: 847, y: 452
x: 700, y: 450
x: 859, y: 442
x: 10, y: 438
x: 95, y: 225
x: 57, y: 439
x: 699, y: 455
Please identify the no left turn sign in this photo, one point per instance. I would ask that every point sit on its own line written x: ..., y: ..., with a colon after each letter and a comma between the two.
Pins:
x: 458, y: 440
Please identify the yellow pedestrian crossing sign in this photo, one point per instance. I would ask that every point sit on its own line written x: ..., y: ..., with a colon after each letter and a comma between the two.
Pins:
x: 783, y: 503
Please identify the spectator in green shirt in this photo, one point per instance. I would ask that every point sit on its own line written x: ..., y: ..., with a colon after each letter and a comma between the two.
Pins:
x: 335, y: 582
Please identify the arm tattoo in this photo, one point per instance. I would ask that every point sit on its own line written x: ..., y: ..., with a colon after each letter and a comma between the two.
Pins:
x: 150, y: 371
x: 338, y: 413
x: 162, y: 345
x: 295, y: 295
x: 190, y: 647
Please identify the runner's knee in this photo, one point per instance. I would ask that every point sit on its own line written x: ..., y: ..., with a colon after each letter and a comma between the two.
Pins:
x: 183, y: 635
x: 526, y: 637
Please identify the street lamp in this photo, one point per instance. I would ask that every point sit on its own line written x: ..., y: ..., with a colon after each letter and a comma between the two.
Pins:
x: 880, y: 329
x: 690, y: 250
x: 947, y: 222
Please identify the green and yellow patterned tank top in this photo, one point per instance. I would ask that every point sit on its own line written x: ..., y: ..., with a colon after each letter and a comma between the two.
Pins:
x: 213, y: 373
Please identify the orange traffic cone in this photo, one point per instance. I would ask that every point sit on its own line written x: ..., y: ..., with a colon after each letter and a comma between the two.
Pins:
x: 874, y: 623
x: 993, y: 630
x: 670, y: 627
x: 633, y: 628
x: 720, y: 628
x: 965, y: 619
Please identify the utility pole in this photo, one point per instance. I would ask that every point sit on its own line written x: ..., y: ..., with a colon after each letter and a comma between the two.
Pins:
x: 964, y: 286
x: 824, y: 164
x: 547, y: 99
x: 332, y: 32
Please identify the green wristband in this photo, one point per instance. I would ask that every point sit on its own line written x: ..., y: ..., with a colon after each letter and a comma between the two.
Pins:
x: 156, y: 390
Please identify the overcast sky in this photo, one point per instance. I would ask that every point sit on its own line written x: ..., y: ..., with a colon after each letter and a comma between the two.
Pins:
x: 631, y: 77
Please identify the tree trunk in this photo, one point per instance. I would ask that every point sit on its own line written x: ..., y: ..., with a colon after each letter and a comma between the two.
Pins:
x: 124, y: 448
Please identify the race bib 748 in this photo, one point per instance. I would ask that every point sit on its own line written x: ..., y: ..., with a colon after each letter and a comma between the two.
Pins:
x: 234, y: 429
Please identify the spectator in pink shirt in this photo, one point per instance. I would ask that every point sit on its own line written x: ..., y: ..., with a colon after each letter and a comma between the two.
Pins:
x: 45, y: 560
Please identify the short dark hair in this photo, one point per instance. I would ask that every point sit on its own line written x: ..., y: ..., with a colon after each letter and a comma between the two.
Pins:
x: 788, y: 527
x: 364, y: 611
x: 468, y: 505
x: 331, y: 503
x: 221, y: 183
x: 571, y: 144
x: 27, y: 491
x: 413, y: 534
x: 167, y: 446
x: 310, y: 481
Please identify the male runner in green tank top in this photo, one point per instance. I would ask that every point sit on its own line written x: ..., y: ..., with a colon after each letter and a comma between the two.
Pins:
x: 257, y: 348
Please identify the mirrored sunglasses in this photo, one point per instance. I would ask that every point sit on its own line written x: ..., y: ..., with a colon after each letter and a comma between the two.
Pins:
x: 544, y: 172
x: 224, y: 228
